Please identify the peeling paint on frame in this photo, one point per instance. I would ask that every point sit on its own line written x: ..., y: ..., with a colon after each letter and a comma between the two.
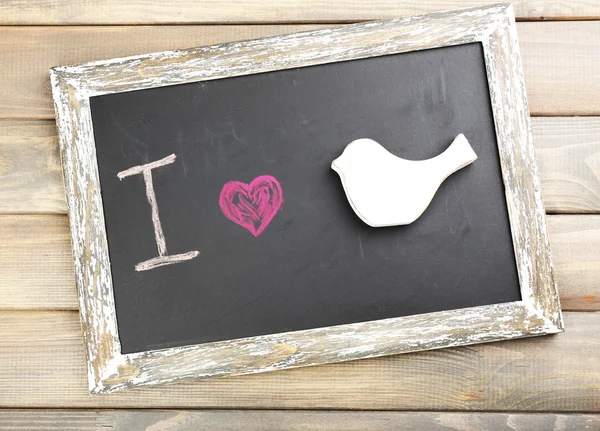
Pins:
x: 538, y: 313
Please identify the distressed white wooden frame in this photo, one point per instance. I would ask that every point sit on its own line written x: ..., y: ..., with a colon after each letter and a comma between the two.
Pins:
x: 537, y: 313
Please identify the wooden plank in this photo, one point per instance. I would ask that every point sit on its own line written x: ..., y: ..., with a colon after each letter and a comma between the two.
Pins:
x: 36, y: 263
x: 272, y: 420
x: 556, y: 61
x: 189, y: 11
x: 567, y: 150
x: 559, y: 58
x: 574, y: 241
x: 42, y: 365
x: 36, y: 266
x: 30, y: 168
x: 568, y: 156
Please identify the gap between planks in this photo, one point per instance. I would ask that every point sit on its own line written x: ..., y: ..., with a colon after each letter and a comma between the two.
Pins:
x: 16, y: 12
x: 290, y: 420
x: 560, y: 59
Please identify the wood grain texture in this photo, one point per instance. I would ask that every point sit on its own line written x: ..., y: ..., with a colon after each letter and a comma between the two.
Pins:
x: 567, y: 153
x: 559, y: 58
x: 272, y: 420
x: 42, y: 365
x: 30, y: 169
x: 568, y: 156
x: 556, y: 60
x: 36, y: 264
x: 576, y: 252
x: 189, y: 11
x: 537, y: 313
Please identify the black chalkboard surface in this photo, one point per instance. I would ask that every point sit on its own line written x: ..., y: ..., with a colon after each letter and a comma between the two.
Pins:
x: 315, y: 264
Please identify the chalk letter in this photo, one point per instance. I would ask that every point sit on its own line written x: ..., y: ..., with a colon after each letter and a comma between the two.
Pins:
x: 163, y: 258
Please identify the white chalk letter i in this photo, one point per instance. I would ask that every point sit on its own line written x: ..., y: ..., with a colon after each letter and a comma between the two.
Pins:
x: 163, y: 258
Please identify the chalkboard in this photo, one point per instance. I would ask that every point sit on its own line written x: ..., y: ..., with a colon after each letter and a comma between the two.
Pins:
x: 212, y: 237
x: 315, y: 264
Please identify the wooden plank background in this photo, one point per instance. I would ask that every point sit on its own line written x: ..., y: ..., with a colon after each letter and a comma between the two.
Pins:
x: 529, y: 384
x: 59, y: 12
x: 254, y: 420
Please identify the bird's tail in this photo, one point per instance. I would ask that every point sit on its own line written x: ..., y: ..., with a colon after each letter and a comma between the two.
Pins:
x: 458, y: 155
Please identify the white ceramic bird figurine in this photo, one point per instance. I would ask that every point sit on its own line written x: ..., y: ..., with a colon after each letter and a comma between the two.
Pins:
x: 386, y: 190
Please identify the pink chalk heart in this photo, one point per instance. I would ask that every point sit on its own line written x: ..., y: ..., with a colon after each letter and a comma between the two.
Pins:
x: 253, y: 205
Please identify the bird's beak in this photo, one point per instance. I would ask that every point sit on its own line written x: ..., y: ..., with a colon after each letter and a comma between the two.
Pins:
x: 338, y: 164
x: 335, y: 165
